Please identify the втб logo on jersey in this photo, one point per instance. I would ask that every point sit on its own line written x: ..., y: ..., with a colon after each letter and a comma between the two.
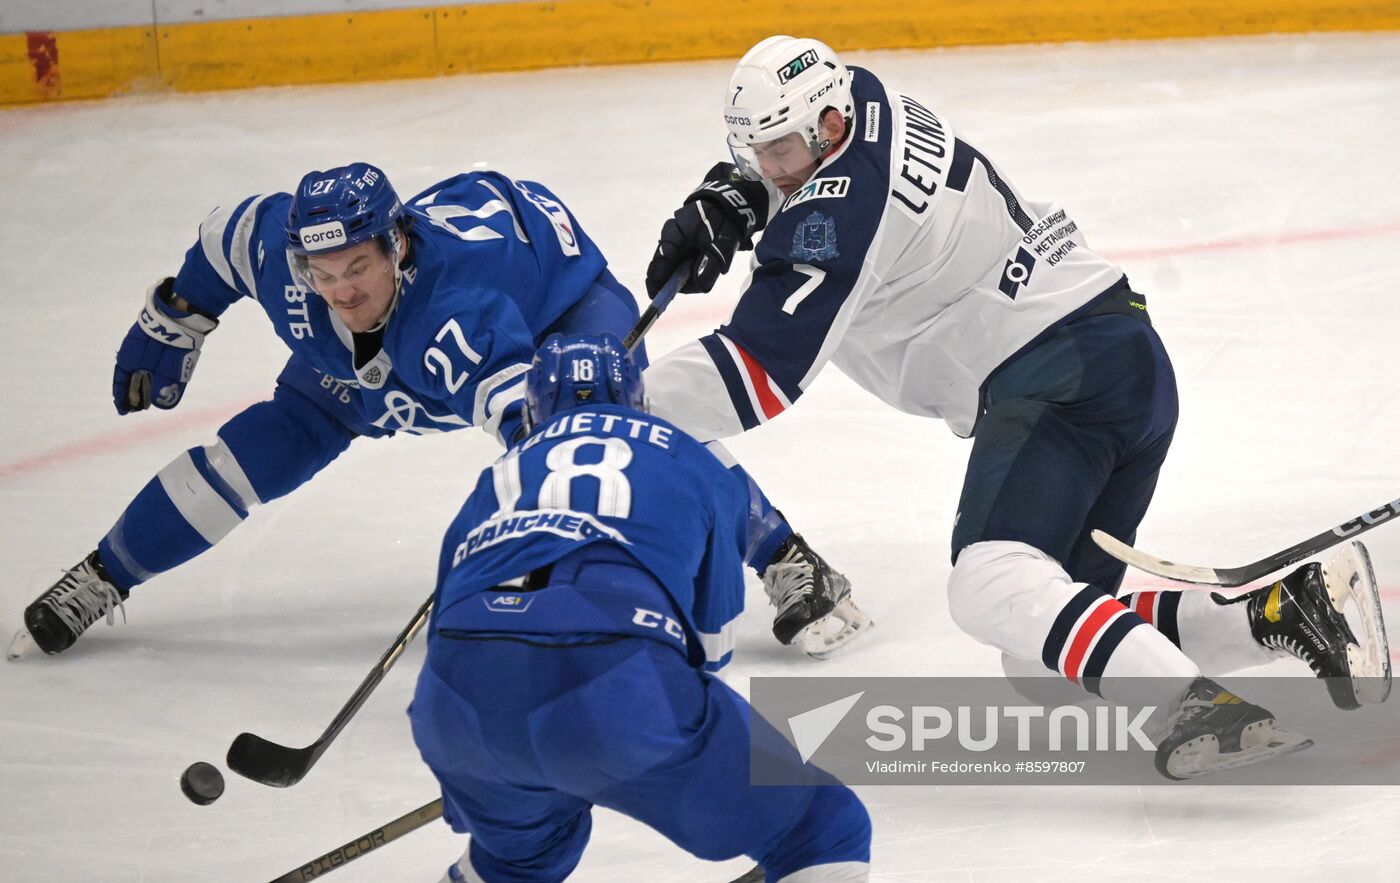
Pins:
x: 798, y: 65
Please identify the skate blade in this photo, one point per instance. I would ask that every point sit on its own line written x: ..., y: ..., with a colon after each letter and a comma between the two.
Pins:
x: 833, y: 632
x: 1350, y: 574
x: 23, y: 645
x: 1260, y: 741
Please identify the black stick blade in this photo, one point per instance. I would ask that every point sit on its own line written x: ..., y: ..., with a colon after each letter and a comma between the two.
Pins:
x: 253, y: 757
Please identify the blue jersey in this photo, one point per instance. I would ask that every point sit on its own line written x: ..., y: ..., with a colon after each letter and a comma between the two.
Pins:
x: 491, y: 264
x: 602, y: 475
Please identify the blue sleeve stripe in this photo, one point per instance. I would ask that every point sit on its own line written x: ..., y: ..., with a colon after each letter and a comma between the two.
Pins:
x: 717, y: 664
x: 733, y: 381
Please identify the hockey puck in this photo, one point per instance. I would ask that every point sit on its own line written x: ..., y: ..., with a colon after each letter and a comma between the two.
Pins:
x: 202, y: 783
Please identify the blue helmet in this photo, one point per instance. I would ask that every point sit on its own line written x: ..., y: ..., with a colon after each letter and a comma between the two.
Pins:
x: 341, y: 207
x: 573, y: 370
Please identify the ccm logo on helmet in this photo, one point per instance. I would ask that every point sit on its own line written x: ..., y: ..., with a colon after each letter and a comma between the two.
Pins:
x: 812, y: 99
x: 321, y: 236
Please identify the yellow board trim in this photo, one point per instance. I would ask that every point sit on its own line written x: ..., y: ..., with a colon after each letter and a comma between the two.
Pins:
x: 433, y: 41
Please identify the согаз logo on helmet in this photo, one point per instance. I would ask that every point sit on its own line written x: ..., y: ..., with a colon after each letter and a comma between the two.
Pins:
x: 322, y: 236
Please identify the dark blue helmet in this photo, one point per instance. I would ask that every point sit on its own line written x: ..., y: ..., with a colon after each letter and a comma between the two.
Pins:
x: 573, y: 370
x: 342, y: 207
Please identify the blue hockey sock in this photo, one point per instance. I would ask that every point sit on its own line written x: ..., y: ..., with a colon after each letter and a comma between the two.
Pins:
x: 189, y: 506
x: 768, y: 529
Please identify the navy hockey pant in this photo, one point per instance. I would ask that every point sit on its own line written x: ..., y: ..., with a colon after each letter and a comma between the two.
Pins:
x: 525, y: 739
x: 1074, y: 434
x: 272, y: 448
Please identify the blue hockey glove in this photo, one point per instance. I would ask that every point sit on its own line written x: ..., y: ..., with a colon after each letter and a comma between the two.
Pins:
x: 716, y: 220
x: 158, y: 355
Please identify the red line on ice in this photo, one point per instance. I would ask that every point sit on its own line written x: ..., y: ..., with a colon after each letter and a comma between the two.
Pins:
x: 1298, y: 237
x: 110, y: 442
x: 118, y: 440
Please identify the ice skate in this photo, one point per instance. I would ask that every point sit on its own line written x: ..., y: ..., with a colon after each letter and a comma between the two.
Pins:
x: 815, y: 609
x: 1301, y: 615
x: 1212, y: 730
x: 56, y: 618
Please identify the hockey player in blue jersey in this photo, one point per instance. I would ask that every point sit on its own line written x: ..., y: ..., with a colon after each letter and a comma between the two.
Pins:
x: 895, y: 250
x: 588, y: 686
x: 418, y: 318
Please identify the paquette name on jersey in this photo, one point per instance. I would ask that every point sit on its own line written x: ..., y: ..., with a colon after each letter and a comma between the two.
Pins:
x: 925, y: 142
x: 634, y: 428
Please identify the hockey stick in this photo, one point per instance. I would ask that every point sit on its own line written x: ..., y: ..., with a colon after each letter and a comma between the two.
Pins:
x: 254, y: 757
x: 1229, y: 577
x: 656, y: 308
x: 404, y: 824
x: 341, y: 855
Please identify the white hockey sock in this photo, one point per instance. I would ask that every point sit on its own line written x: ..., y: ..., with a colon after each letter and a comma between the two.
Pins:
x: 837, y: 872
x: 1215, y: 636
x: 1017, y: 598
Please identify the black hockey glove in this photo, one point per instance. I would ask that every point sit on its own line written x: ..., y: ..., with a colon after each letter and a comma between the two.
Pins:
x: 716, y: 220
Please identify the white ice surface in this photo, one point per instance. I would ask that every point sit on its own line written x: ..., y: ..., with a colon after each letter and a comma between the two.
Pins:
x: 1248, y: 186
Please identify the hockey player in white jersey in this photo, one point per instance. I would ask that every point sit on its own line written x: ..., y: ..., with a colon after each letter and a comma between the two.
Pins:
x: 897, y: 251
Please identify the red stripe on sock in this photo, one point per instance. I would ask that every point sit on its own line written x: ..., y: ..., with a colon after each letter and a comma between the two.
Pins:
x: 1145, y: 605
x: 766, y: 400
x: 1084, y: 636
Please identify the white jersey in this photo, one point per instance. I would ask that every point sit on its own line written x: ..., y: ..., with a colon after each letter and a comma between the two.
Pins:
x: 908, y: 262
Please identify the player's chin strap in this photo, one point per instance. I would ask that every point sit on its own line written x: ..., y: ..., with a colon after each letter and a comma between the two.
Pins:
x: 398, y: 252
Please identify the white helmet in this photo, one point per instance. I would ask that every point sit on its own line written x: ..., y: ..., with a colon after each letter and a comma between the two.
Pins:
x: 782, y: 86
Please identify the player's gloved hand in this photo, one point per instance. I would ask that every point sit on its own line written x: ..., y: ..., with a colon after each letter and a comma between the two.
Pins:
x: 715, y: 221
x: 158, y: 355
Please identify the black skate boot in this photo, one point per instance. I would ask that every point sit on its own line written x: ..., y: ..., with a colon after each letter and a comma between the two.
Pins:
x: 815, y: 610
x: 1301, y: 615
x: 1212, y: 730
x: 56, y: 618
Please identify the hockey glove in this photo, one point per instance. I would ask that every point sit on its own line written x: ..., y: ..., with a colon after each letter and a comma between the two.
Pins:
x: 715, y: 221
x: 158, y: 355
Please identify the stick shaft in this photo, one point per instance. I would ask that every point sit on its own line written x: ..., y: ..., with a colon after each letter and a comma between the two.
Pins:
x: 656, y: 308
x: 1230, y: 577
x: 348, y: 852
x: 270, y: 763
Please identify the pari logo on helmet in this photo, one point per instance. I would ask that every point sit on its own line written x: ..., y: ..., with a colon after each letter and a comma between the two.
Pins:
x: 797, y: 65
x: 777, y: 96
x: 574, y: 370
